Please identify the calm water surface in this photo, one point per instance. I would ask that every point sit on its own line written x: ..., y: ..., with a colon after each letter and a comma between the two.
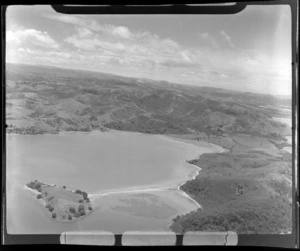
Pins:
x: 93, y: 162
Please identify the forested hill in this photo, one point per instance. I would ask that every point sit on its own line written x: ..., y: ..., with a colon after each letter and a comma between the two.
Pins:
x: 42, y: 99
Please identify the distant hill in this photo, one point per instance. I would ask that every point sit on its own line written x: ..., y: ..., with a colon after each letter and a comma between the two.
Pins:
x: 43, y: 99
x: 246, y: 189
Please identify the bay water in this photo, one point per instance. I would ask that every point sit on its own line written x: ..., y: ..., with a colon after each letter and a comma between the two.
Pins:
x: 94, y: 162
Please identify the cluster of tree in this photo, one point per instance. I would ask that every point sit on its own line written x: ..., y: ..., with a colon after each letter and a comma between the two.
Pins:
x: 86, y: 199
x: 76, y: 214
x: 241, y: 205
x: 35, y: 185
x: 193, y: 161
x: 233, y: 160
x: 49, y: 207
x: 72, y: 210
x: 50, y: 198
x: 147, y: 125
x: 84, y: 194
x: 267, y: 217
x: 81, y: 210
x: 25, y: 130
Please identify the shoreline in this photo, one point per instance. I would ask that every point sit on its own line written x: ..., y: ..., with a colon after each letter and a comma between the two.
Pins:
x: 159, y: 187
x: 41, y: 201
x: 193, y: 178
x: 153, y: 188
x: 174, y: 185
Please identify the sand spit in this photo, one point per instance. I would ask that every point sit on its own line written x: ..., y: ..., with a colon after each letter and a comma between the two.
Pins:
x: 169, y: 187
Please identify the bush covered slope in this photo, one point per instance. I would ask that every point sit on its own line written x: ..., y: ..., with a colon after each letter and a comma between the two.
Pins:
x: 244, y: 190
x: 47, y: 99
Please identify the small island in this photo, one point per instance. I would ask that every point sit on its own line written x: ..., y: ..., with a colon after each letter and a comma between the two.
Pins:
x: 61, y: 203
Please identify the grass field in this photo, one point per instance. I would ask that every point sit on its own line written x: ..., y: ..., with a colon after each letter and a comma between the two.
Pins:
x: 62, y: 203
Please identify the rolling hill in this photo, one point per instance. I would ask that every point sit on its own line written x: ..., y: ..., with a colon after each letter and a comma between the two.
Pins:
x: 246, y: 189
x: 42, y: 99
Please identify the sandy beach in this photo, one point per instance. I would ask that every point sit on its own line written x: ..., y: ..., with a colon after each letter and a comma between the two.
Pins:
x: 164, y: 201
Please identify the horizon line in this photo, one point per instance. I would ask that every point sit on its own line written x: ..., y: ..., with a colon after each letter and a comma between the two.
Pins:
x: 157, y: 80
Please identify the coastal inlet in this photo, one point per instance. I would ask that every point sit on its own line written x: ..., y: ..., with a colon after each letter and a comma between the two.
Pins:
x: 61, y: 203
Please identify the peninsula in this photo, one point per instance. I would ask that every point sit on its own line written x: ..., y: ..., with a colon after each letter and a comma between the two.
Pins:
x: 61, y: 203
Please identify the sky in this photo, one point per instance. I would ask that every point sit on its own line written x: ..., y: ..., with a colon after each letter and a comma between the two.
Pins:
x: 249, y: 51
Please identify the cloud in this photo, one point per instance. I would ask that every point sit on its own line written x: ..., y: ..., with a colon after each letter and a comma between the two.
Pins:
x: 124, y: 45
x: 121, y: 31
x: 31, y: 36
x: 211, y: 40
x: 83, y: 22
x: 84, y: 32
x: 175, y: 63
x: 227, y: 39
x: 69, y: 19
x: 186, y: 56
x: 95, y: 44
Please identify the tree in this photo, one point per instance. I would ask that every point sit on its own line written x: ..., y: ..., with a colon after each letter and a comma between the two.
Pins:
x: 69, y: 217
x: 85, y: 195
x: 64, y: 187
x: 80, y: 208
x: 78, y: 191
x: 53, y: 215
x: 50, y: 198
x: 77, y: 214
x: 90, y: 208
x: 72, y: 210
x: 39, y: 196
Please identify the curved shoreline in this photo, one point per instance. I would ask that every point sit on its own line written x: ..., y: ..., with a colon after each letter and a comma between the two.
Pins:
x: 174, y: 184
x: 157, y: 188
x: 193, y: 178
x: 221, y: 149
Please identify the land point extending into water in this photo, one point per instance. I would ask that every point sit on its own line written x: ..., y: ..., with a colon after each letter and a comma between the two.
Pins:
x: 61, y: 203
